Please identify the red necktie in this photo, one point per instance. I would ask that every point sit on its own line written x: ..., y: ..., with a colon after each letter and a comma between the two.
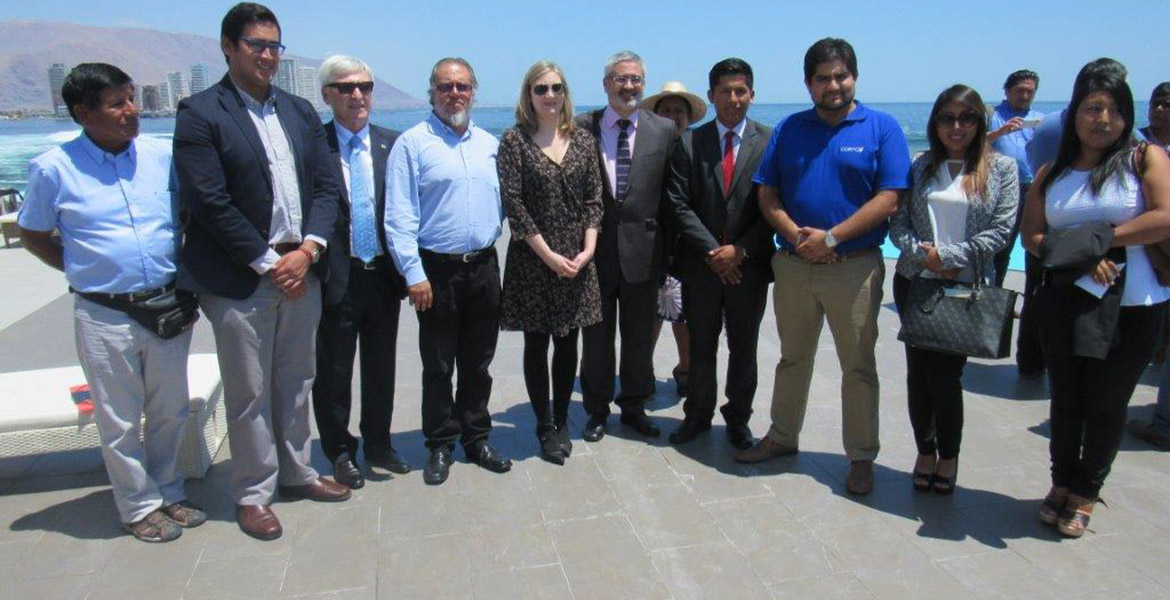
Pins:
x: 728, y: 162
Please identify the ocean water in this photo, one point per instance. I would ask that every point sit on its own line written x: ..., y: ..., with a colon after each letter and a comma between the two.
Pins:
x: 25, y: 139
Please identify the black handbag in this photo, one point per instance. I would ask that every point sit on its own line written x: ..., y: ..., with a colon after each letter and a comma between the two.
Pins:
x: 958, y: 318
x: 166, y: 315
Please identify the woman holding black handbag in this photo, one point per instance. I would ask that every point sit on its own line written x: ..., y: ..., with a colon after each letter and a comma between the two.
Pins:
x: 1102, y: 307
x: 961, y: 207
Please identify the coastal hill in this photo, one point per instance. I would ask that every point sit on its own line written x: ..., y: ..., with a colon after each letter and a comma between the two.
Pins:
x: 29, y: 48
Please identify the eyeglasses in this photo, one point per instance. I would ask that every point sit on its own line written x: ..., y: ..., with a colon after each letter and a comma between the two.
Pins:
x: 259, y: 46
x: 627, y: 79
x: 541, y: 89
x: 347, y: 87
x: 458, y: 86
x: 967, y: 119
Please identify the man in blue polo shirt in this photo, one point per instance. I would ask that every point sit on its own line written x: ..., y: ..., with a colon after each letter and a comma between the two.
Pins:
x: 829, y: 180
x: 109, y: 196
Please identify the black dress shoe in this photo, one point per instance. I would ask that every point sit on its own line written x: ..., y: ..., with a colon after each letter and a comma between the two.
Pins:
x: 563, y: 440
x: 550, y: 447
x: 388, y: 460
x: 438, y: 466
x: 346, y: 472
x: 594, y: 428
x: 642, y: 424
x: 689, y: 430
x: 740, y: 436
x: 488, y: 458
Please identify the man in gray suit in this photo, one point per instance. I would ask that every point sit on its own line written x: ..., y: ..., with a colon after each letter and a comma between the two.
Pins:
x: 724, y: 252
x: 634, y: 149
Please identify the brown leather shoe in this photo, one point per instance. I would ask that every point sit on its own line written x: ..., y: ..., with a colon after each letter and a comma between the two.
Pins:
x: 258, y: 521
x: 766, y: 449
x: 322, y: 490
x: 860, y: 479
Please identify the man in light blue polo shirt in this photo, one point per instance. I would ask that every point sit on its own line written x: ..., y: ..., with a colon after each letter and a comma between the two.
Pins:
x: 829, y: 180
x: 110, y: 197
x: 443, y: 216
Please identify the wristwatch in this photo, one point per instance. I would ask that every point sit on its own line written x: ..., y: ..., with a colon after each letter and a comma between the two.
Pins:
x: 830, y: 239
x: 314, y: 254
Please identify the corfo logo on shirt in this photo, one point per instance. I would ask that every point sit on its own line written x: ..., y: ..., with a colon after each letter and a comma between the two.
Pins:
x: 858, y: 149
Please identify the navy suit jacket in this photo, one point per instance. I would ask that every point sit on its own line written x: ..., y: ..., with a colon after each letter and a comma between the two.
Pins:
x: 225, y: 187
x: 381, y: 141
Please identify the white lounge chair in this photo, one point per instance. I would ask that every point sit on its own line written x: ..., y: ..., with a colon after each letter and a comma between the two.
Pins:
x: 38, y: 414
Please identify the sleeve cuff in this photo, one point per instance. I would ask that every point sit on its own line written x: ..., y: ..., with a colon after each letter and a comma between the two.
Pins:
x: 265, y: 263
x: 320, y: 242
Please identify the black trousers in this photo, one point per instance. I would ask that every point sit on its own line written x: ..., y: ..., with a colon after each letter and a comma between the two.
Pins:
x: 1089, y: 400
x: 459, y: 333
x: 536, y: 375
x: 367, y: 313
x: 632, y: 307
x: 708, y: 306
x: 1029, y: 355
x: 934, y: 390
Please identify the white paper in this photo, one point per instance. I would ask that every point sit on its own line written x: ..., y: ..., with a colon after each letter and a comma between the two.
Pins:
x: 1086, y: 283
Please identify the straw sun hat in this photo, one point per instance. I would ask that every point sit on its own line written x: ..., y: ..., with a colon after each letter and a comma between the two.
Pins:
x: 676, y: 88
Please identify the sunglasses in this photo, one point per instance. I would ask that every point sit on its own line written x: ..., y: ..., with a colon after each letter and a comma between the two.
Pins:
x: 967, y: 119
x: 259, y: 46
x: 347, y: 88
x: 630, y: 79
x: 541, y: 89
x: 460, y: 87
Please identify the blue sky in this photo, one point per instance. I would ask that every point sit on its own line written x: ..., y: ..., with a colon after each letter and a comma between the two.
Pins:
x: 907, y: 51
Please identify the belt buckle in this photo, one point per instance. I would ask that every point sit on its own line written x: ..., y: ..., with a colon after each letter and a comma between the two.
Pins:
x: 368, y: 266
x: 468, y: 257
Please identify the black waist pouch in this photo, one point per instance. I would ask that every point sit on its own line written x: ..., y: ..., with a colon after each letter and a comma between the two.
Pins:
x: 166, y: 315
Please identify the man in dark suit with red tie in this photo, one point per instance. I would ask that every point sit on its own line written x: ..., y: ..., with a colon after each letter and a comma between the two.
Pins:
x: 724, y: 251
x: 362, y: 297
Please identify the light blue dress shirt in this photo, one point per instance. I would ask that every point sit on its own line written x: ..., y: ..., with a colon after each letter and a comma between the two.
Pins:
x: 117, y: 215
x: 1014, y: 144
x: 442, y: 194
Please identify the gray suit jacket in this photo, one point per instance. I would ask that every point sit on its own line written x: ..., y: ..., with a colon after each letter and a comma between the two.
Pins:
x: 990, y: 218
x: 706, y: 219
x: 631, y: 244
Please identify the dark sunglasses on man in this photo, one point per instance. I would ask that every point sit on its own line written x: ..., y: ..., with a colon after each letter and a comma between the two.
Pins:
x: 347, y: 87
x: 460, y: 87
x: 259, y: 46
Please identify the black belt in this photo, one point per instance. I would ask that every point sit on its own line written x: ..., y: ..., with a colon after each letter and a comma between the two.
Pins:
x: 127, y: 297
x: 840, y: 257
x: 358, y: 263
x: 470, y: 257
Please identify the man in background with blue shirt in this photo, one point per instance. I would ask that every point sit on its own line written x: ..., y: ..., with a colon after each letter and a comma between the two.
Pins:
x: 829, y: 180
x: 110, y: 197
x: 443, y: 216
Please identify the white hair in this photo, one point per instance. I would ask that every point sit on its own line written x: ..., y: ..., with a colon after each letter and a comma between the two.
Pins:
x: 340, y: 65
x: 621, y: 57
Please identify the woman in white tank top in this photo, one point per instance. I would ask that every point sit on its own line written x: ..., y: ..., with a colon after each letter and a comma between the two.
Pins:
x: 1097, y: 178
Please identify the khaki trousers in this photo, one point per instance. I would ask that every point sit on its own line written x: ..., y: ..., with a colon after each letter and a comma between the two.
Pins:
x: 848, y: 294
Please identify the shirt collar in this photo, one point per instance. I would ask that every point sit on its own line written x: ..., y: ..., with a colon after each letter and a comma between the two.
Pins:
x: 344, y: 135
x: 251, y: 102
x: 738, y: 129
x: 441, y: 128
x: 1006, y: 108
x: 101, y: 156
x: 610, y: 118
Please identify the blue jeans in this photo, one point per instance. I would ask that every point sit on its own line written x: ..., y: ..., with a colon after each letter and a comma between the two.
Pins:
x: 1162, y: 412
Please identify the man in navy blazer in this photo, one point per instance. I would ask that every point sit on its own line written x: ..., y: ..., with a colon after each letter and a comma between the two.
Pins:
x: 261, y: 196
x: 364, y: 292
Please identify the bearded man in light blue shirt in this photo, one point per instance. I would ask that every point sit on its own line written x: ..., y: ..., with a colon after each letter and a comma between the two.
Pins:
x: 443, y: 216
x: 109, y: 196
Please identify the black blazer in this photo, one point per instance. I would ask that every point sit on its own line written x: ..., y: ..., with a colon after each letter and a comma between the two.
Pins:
x: 631, y: 243
x: 381, y: 141
x: 225, y: 187
x: 704, y: 218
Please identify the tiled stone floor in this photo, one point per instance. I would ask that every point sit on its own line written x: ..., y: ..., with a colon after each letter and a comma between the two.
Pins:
x: 626, y: 517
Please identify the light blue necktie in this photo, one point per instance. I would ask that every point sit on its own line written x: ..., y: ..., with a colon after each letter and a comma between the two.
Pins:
x: 361, y: 200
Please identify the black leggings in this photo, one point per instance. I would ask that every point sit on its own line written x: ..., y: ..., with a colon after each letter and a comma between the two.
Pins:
x: 1089, y: 400
x: 564, y: 370
x: 935, y: 391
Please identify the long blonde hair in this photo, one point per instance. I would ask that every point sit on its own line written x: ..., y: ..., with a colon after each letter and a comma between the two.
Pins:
x: 526, y: 113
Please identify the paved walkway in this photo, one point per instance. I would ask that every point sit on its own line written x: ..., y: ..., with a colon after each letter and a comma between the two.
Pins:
x: 624, y: 518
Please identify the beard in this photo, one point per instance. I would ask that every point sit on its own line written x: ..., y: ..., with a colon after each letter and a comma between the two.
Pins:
x: 457, y: 119
x: 843, y: 101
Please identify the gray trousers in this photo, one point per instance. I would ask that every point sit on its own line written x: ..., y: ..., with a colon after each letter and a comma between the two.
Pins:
x: 132, y: 372
x: 266, y: 346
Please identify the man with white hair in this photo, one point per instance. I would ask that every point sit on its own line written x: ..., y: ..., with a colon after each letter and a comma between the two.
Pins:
x: 443, y: 216
x: 361, y: 299
x: 635, y: 147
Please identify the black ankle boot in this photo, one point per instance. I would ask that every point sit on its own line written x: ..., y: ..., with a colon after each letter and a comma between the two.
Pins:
x: 562, y: 437
x: 550, y: 449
